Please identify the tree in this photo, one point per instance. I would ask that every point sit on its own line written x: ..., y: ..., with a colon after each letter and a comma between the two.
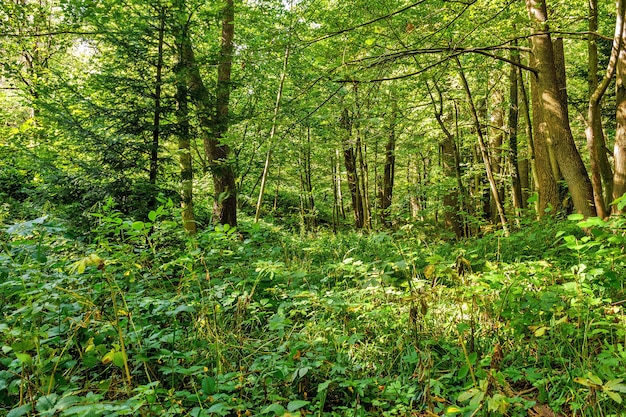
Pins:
x: 555, y: 126
x: 601, y: 174
x: 213, y: 118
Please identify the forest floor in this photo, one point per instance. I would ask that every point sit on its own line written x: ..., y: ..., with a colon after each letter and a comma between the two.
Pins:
x: 139, y: 319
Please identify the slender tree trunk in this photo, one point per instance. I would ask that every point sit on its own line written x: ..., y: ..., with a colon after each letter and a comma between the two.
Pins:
x: 350, y: 161
x: 268, y: 156
x: 156, y: 128
x: 513, y: 122
x: 596, y: 144
x: 307, y: 203
x: 496, y: 140
x: 362, y: 163
x: 450, y: 169
x: 555, y: 123
x: 333, y: 173
x: 619, y: 150
x: 184, y: 147
x: 342, y: 210
x: 483, y: 150
x: 531, y: 165
x: 182, y: 70
x: 364, y: 183
x: 386, y: 192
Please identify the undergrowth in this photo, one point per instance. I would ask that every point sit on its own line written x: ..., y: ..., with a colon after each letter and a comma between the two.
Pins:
x: 140, y: 319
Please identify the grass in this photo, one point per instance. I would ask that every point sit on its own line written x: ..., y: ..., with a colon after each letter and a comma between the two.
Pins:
x: 142, y: 320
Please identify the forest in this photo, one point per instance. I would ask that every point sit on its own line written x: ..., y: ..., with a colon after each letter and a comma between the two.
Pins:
x: 321, y: 208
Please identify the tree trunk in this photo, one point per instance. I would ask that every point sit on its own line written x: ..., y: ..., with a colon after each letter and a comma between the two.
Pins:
x: 513, y: 122
x: 555, y: 124
x: 268, y: 156
x: 186, y: 168
x: 182, y: 72
x: 362, y: 163
x: 546, y: 182
x: 450, y: 170
x: 156, y: 128
x: 601, y: 175
x: 307, y: 204
x: 619, y: 150
x: 531, y: 166
x: 386, y: 192
x: 225, y: 199
x: 350, y: 161
x: 217, y: 153
x: 496, y: 140
x: 483, y: 150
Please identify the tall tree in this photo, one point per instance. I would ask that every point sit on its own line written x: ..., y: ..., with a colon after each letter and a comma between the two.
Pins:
x: 555, y: 124
x: 350, y: 161
x: 512, y: 126
x: 213, y: 117
x: 619, y: 151
x: 386, y: 190
x: 218, y: 152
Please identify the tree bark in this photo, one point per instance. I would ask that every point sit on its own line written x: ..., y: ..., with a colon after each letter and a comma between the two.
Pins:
x: 555, y: 124
x: 185, y: 161
x: 350, y: 161
x: 496, y: 140
x: 307, y: 203
x: 181, y: 71
x: 545, y: 181
x: 601, y: 175
x: 386, y: 192
x: 619, y: 150
x: 225, y: 199
x: 513, y: 122
x: 214, y: 126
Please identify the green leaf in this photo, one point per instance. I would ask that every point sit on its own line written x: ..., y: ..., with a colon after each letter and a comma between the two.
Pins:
x: 67, y: 402
x: 323, y: 386
x: 615, y: 385
x: 592, y: 221
x: 152, y: 215
x: 216, y: 408
x: 119, y: 358
x: 575, y: 217
x: 295, y: 405
x: 303, y: 371
x: 46, y: 402
x: 614, y: 396
x: 209, y: 385
x: 20, y: 411
x: 462, y: 327
x: 594, y: 378
x: 25, y: 358
x: 276, y: 408
x: 138, y: 225
x: 466, y: 395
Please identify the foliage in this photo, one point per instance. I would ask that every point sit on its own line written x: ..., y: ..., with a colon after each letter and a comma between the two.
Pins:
x: 257, y: 321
